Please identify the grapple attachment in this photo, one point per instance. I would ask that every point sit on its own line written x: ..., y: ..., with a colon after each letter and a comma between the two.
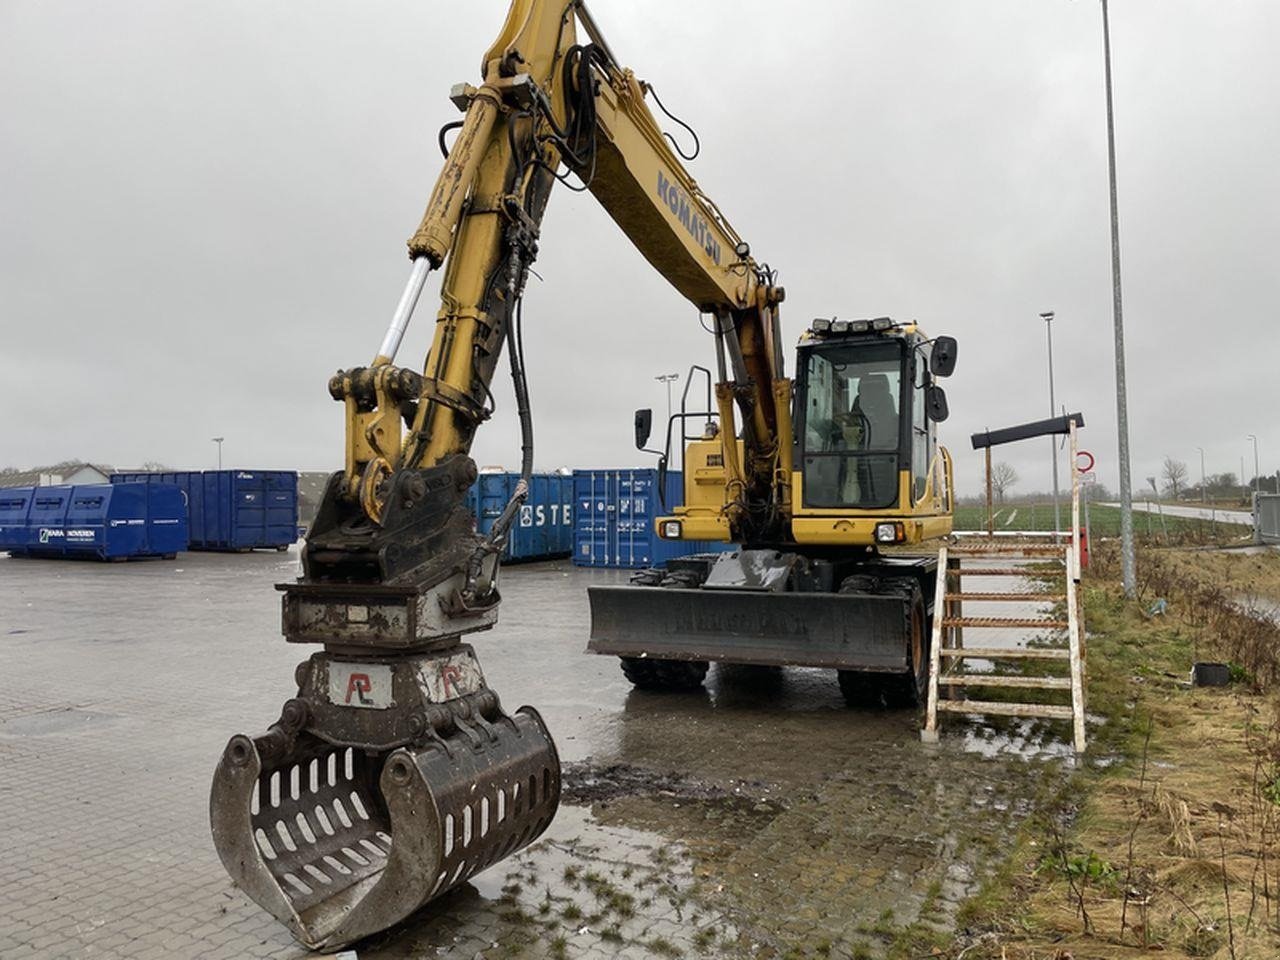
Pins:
x: 374, y: 793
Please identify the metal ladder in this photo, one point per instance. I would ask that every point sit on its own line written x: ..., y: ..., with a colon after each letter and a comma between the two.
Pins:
x: 966, y: 558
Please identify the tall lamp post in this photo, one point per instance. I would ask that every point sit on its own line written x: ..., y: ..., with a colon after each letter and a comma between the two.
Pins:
x: 1127, y: 564
x: 218, y: 441
x: 1047, y: 317
x: 1257, y: 473
x: 1202, y: 482
x: 668, y: 379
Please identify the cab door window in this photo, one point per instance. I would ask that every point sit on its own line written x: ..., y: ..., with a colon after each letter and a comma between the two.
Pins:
x: 852, y: 426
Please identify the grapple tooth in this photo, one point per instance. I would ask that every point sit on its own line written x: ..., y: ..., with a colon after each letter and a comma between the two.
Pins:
x: 341, y: 842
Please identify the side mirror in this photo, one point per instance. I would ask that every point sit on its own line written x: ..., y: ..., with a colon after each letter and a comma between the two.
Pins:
x: 644, y: 425
x: 935, y: 403
x: 942, y: 361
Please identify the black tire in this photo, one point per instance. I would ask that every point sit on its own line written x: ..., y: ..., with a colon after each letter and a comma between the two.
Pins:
x: 862, y: 691
x: 908, y: 691
x: 896, y: 691
x: 653, y: 673
x: 656, y: 673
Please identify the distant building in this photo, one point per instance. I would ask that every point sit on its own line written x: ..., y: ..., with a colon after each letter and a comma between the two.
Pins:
x: 72, y: 471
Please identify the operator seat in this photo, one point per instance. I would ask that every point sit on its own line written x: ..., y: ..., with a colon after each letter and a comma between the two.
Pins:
x: 876, y: 402
x: 877, y: 405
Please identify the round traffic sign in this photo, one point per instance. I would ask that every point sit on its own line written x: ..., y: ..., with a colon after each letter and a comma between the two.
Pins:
x: 1088, y: 465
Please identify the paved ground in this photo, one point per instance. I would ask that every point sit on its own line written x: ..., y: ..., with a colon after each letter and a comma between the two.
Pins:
x: 757, y: 817
x: 1192, y: 513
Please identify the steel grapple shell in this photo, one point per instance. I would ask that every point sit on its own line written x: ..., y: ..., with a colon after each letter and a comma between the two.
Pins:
x: 340, y: 842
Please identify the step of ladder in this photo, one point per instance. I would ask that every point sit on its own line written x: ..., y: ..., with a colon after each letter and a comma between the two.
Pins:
x: 992, y: 680
x: 996, y: 571
x: 1007, y: 653
x: 1052, y: 711
x: 1006, y: 550
x: 1030, y: 623
x: 1023, y: 596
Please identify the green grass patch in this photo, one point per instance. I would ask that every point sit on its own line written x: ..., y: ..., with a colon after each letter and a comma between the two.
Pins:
x: 1103, y: 521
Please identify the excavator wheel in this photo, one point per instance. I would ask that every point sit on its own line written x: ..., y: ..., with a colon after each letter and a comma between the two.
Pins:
x: 902, y: 691
x: 653, y: 673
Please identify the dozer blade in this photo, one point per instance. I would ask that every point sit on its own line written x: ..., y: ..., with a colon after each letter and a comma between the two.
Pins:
x: 340, y: 839
x: 846, y: 631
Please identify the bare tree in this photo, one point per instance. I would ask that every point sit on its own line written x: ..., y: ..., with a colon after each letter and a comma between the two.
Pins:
x: 1174, y: 474
x: 1003, y: 476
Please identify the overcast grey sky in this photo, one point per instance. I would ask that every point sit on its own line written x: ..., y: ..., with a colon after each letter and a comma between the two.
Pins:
x: 203, y: 209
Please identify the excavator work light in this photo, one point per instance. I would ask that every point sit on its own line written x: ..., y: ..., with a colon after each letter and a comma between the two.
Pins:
x: 671, y: 530
x: 821, y: 326
x: 860, y: 326
x: 840, y: 326
x: 890, y: 533
x: 881, y: 323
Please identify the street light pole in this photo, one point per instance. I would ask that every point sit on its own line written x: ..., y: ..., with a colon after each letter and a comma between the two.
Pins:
x: 668, y: 379
x: 1047, y: 317
x: 218, y: 441
x: 1127, y: 563
x: 1201, y: 449
x: 1257, y: 473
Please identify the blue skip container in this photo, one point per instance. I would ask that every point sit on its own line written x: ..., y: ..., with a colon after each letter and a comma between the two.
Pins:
x: 234, y: 509
x: 543, y: 530
x: 613, y: 520
x: 106, y: 521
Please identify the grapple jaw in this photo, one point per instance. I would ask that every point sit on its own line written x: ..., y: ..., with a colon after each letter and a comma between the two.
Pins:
x: 341, y: 826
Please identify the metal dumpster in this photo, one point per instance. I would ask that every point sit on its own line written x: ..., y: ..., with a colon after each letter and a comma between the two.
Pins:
x: 544, y: 528
x: 613, y: 516
x: 106, y: 521
x: 234, y: 509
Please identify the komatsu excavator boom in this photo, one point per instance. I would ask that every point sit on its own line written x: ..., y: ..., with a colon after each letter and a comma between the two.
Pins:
x: 395, y: 774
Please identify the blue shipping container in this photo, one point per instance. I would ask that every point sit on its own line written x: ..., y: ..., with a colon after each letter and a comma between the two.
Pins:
x: 234, y: 509
x: 103, y: 520
x: 613, y: 517
x: 544, y: 528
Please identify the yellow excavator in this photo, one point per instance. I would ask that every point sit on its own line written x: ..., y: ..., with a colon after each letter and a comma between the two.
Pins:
x: 395, y: 774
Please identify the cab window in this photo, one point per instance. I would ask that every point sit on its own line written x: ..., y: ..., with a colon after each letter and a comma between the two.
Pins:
x: 852, y: 426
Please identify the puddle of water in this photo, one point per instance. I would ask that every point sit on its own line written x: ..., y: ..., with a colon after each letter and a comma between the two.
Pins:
x: 584, y: 889
x: 51, y: 722
x: 1025, y: 739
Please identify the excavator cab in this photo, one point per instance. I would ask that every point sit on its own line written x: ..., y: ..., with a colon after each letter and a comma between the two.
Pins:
x: 866, y: 405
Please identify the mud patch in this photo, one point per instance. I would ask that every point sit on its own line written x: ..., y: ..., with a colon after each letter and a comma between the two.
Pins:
x: 586, y: 782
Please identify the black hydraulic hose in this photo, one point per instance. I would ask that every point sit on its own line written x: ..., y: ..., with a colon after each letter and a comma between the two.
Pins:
x: 496, y: 539
x: 523, y: 407
x: 455, y: 125
x: 697, y: 143
x: 521, y: 384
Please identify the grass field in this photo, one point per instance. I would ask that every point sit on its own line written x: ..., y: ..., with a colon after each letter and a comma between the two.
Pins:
x: 1104, y: 521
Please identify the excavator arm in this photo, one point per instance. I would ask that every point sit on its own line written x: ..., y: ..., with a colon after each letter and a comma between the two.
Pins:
x: 547, y: 100
x: 394, y: 774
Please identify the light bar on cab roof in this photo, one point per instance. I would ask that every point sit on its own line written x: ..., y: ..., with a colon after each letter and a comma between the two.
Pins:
x: 841, y: 328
